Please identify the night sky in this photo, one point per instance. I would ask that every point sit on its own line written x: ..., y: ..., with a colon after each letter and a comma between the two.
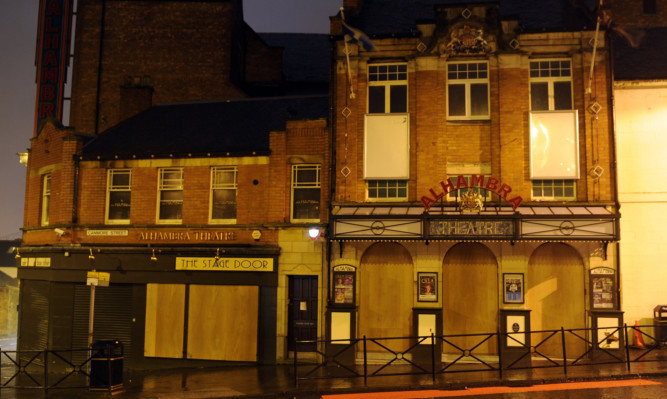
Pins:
x: 18, y: 29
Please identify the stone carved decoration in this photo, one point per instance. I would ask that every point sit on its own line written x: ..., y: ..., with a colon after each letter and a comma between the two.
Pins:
x: 471, y: 201
x: 465, y: 38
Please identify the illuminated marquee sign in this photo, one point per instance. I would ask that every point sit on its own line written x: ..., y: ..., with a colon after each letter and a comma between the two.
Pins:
x: 487, y: 183
x: 55, y: 18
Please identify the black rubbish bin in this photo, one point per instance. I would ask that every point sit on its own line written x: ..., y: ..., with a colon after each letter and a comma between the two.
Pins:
x: 660, y: 324
x: 106, y: 365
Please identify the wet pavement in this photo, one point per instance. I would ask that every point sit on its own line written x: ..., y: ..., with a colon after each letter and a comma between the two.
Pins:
x: 278, y: 382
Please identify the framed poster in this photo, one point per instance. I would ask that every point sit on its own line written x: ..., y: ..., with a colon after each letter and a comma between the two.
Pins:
x: 343, y: 286
x: 427, y: 287
x: 603, y: 288
x: 513, y: 287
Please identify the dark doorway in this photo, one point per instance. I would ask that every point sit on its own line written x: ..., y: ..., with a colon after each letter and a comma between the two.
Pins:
x: 302, y: 317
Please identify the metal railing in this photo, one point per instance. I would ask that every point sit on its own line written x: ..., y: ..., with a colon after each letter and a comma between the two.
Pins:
x: 52, y: 369
x: 496, y: 352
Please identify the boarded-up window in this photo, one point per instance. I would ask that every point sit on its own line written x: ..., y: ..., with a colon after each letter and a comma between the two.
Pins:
x: 222, y: 322
x: 165, y: 315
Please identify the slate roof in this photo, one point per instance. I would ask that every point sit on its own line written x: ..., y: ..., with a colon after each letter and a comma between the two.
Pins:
x: 386, y: 18
x: 647, y: 61
x: 234, y: 127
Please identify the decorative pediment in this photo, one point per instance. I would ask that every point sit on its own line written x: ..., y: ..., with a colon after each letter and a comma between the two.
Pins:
x: 465, y: 38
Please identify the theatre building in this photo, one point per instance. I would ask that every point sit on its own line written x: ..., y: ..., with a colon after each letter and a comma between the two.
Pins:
x: 184, y: 193
x: 474, y: 183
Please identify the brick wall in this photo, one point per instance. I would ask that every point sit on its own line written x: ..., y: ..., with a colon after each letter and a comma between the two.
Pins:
x: 52, y: 152
x: 144, y: 195
x: 503, y: 141
x: 263, y: 194
x: 263, y: 64
x: 631, y: 13
x: 92, y: 195
x: 303, y: 142
x: 170, y: 42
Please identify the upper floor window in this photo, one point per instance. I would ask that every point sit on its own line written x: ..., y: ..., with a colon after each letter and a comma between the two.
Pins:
x: 387, y: 88
x: 119, y: 182
x: 223, y: 194
x: 387, y: 189
x: 554, y: 190
x: 468, y: 90
x: 46, y: 199
x: 306, y: 192
x: 550, y: 85
x: 170, y: 187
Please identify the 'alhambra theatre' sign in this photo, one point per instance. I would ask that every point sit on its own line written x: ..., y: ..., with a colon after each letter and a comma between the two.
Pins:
x: 489, y: 183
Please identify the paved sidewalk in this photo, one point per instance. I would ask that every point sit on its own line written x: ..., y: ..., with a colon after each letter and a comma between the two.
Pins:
x: 278, y: 382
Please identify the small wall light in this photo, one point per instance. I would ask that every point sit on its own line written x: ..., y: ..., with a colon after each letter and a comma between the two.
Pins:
x: 217, y: 254
x: 314, y: 233
x: 153, y: 257
x: 18, y: 255
x: 23, y: 158
x: 91, y: 256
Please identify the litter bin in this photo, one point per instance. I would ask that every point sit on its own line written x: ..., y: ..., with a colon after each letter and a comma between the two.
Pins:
x: 106, y: 365
x: 660, y: 323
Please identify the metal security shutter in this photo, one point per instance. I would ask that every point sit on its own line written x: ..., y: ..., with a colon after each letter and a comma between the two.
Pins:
x: 34, y: 324
x: 113, y: 316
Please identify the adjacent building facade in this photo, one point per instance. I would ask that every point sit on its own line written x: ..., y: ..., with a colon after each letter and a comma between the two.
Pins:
x: 184, y: 184
x: 640, y: 86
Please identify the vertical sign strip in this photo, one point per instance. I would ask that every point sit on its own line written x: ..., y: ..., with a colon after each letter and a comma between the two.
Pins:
x: 52, y: 58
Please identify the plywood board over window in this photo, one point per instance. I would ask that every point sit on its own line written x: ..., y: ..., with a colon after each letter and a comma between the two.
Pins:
x: 386, y: 296
x: 387, y: 146
x: 165, y: 315
x: 554, y: 145
x: 222, y: 322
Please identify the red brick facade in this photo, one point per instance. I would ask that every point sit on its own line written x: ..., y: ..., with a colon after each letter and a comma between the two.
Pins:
x: 164, y: 52
x: 164, y: 47
x: 263, y: 194
x: 502, y: 141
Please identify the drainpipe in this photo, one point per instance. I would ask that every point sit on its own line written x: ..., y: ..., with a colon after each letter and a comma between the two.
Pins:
x: 75, y: 194
x: 332, y: 158
x: 612, y: 106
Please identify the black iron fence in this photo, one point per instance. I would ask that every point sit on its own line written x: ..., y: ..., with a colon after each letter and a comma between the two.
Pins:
x: 58, y: 369
x: 496, y: 352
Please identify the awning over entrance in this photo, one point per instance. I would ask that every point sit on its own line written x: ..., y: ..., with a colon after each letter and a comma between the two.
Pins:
x: 553, y: 223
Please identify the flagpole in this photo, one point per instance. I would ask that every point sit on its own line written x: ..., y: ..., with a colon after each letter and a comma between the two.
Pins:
x: 347, y: 57
x: 595, y: 45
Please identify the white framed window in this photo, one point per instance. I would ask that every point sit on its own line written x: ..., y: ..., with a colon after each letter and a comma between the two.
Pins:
x: 119, y: 184
x: 387, y: 88
x: 170, y: 187
x: 550, y: 85
x: 46, y: 199
x: 224, y: 183
x: 468, y: 91
x: 554, y: 190
x: 388, y: 190
x: 306, y: 193
x: 455, y: 195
